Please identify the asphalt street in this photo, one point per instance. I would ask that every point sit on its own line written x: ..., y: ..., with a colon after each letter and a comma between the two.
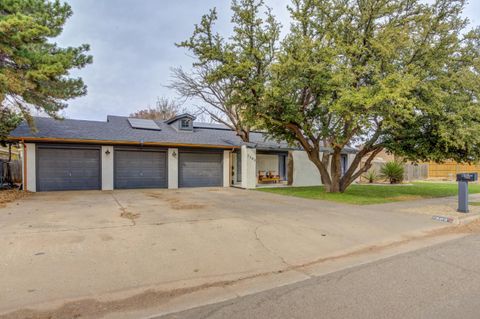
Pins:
x: 441, y: 281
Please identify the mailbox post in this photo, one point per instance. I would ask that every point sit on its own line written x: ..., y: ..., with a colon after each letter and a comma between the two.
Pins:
x: 463, y: 180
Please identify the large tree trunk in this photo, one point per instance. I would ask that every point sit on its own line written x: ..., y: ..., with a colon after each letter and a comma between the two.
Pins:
x: 314, y: 156
x: 335, y: 171
x: 330, y: 169
x: 290, y: 167
x: 332, y: 178
x: 354, y: 171
x: 242, y: 132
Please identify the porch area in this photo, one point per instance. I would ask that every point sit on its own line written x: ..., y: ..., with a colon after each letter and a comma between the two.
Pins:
x: 252, y: 168
x: 261, y: 167
x: 271, y: 168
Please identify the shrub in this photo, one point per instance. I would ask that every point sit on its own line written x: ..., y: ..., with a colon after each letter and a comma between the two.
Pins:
x: 371, y: 176
x: 392, y: 171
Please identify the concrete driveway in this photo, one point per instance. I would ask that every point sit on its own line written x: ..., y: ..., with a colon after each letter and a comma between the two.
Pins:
x: 65, y: 246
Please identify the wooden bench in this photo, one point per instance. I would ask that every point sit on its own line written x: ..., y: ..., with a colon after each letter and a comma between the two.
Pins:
x: 267, y: 178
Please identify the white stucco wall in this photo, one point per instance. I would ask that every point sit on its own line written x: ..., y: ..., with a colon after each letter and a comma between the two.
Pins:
x: 249, y: 175
x: 172, y: 168
x: 226, y: 168
x: 107, y: 168
x: 234, y: 168
x: 305, y: 173
x: 31, y: 180
x: 267, y: 162
x: 351, y: 157
x: 22, y: 162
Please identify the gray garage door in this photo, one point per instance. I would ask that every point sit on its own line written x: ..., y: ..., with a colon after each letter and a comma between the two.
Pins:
x: 140, y: 169
x: 68, y: 168
x: 200, y: 169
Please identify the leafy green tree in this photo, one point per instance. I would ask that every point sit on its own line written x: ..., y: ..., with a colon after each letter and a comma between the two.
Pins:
x: 229, y: 75
x: 400, y: 75
x: 34, y: 71
x: 9, y: 120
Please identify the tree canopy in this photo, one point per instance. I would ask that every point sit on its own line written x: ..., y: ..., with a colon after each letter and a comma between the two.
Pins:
x: 400, y: 75
x: 9, y: 120
x: 34, y: 71
x: 230, y: 74
x: 164, y: 109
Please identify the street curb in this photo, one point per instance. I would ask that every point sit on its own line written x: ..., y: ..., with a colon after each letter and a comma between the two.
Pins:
x: 310, y: 272
x: 465, y: 220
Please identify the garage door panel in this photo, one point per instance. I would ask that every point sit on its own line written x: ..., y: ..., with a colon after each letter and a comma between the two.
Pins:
x: 140, y: 169
x: 200, y: 169
x: 68, y: 169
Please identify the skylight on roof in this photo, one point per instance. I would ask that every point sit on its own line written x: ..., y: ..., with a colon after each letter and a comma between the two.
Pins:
x: 143, y: 124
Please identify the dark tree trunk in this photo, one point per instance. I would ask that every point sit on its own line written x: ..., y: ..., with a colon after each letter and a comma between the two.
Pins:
x: 335, y: 171
x: 243, y: 134
x: 332, y: 179
x: 314, y: 156
x: 290, y: 169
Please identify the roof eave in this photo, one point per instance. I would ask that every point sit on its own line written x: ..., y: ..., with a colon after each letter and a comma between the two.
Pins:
x: 113, y: 142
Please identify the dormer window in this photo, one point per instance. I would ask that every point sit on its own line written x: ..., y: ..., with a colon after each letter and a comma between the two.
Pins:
x: 185, y: 124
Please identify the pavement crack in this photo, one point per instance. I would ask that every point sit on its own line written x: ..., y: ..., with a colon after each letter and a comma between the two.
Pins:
x: 79, y: 229
x: 257, y: 237
x: 92, y: 308
x: 73, y: 229
x: 125, y: 213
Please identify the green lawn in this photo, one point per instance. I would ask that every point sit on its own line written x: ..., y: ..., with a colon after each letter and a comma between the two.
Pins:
x: 371, y: 194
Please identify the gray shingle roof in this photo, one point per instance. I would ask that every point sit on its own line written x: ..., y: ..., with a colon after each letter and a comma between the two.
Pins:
x: 211, y: 126
x: 117, y: 129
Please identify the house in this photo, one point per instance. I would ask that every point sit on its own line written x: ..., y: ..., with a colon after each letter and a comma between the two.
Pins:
x: 5, y: 153
x: 127, y: 153
x: 10, y: 161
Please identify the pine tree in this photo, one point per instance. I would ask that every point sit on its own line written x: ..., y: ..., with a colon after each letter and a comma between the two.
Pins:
x: 34, y: 71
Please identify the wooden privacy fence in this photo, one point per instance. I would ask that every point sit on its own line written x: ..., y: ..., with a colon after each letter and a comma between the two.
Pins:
x: 444, y: 171
x: 415, y: 172
x: 449, y: 170
x: 15, y: 171
x: 16, y: 168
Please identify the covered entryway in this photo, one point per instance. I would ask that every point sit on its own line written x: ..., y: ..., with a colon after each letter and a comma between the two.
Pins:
x: 200, y: 169
x: 271, y: 167
x: 68, y: 168
x: 140, y: 168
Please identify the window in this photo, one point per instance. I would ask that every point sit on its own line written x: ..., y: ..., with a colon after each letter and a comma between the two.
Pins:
x: 344, y: 163
x: 185, y: 124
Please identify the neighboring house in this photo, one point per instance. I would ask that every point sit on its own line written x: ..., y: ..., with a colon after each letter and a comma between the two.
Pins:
x: 14, y: 166
x: 4, y: 153
x: 126, y: 153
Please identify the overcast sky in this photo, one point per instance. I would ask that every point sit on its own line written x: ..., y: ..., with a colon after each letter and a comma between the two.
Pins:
x: 132, y: 43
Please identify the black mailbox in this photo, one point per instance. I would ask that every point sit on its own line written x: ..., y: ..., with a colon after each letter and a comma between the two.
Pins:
x: 467, y: 177
x: 463, y: 180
